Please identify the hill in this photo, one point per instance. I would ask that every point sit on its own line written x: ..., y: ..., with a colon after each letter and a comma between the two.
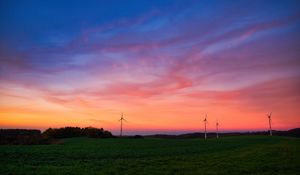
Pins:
x: 290, y: 133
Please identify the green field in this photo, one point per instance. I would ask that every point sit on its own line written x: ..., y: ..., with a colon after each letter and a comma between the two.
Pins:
x: 231, y: 155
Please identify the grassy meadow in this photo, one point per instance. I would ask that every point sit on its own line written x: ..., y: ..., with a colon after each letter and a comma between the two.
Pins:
x: 228, y: 155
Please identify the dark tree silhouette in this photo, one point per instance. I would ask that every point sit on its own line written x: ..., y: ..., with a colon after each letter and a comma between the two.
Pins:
x: 68, y: 132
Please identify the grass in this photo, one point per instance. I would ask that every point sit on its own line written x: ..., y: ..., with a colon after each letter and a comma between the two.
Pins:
x: 231, y: 155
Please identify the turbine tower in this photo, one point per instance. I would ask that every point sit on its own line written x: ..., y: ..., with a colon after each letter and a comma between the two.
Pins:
x: 121, y: 120
x: 205, y: 122
x: 270, y: 123
x: 217, y: 127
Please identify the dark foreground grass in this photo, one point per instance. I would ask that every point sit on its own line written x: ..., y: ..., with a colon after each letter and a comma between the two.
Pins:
x: 231, y: 155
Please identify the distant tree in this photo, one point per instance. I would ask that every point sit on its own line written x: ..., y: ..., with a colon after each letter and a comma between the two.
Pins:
x: 96, y: 133
x: 107, y: 134
x: 19, y: 132
x: 68, y: 132
x: 49, y: 133
x: 65, y: 132
x: 22, y: 137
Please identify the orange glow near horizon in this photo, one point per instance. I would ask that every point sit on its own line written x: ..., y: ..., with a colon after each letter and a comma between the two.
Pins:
x: 149, y: 115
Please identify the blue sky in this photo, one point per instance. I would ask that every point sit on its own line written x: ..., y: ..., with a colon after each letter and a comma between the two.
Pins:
x: 156, y: 61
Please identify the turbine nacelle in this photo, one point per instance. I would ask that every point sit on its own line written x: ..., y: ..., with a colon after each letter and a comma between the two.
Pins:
x: 269, y: 115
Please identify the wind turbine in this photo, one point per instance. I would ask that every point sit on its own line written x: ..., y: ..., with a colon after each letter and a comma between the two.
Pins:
x: 205, y: 122
x: 121, y: 120
x: 217, y: 127
x: 270, y: 123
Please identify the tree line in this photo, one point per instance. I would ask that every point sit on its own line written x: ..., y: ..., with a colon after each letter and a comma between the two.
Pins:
x: 32, y: 137
x: 68, y: 132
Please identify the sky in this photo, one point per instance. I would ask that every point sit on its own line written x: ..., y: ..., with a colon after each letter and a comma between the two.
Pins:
x: 164, y: 64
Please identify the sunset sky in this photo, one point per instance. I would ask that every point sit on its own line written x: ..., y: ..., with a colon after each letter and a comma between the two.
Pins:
x: 165, y: 64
